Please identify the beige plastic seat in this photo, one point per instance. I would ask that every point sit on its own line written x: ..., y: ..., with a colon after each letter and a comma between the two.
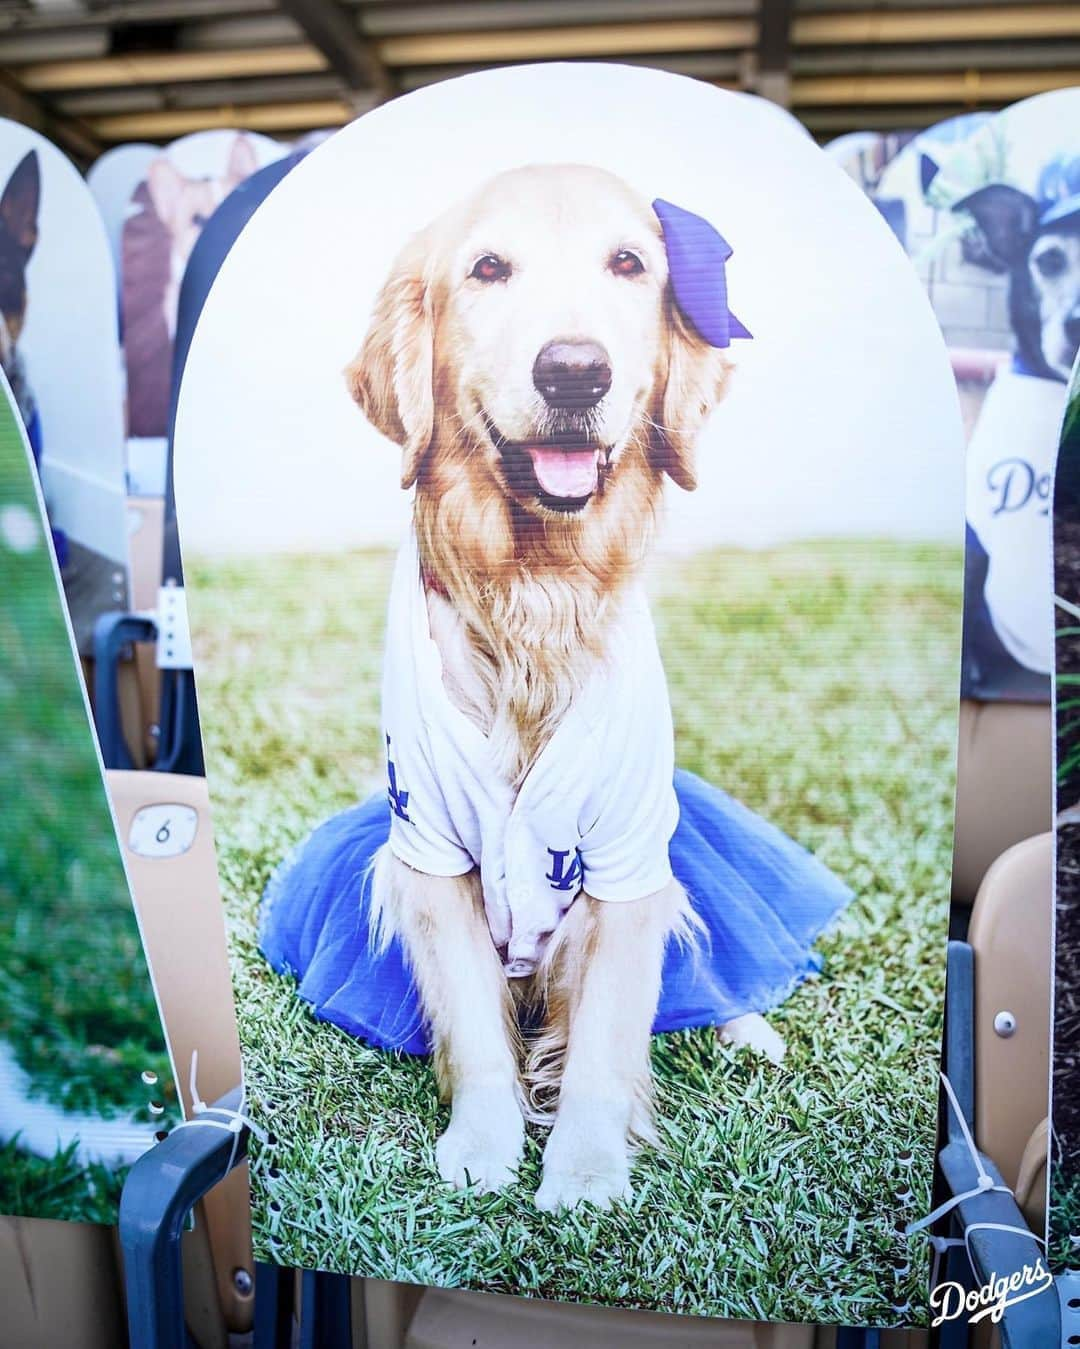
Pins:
x: 1003, y: 860
x: 163, y: 821
x: 60, y: 1284
x: 146, y: 517
x: 1002, y: 786
x: 1011, y: 934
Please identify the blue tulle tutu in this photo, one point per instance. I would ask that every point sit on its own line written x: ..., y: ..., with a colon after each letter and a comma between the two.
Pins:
x: 762, y: 898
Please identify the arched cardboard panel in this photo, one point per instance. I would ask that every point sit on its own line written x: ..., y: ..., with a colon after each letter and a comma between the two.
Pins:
x: 865, y: 155
x: 806, y: 600
x: 113, y: 178
x: 85, y: 1081
x: 1063, y: 1181
x: 984, y: 200
x: 62, y: 359
x: 183, y: 185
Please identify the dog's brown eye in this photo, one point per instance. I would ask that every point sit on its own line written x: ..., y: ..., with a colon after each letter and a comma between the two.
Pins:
x: 1051, y: 262
x: 625, y: 263
x: 490, y: 268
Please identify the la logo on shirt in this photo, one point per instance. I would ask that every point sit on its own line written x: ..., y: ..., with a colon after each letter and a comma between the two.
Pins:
x: 563, y: 877
x: 397, y: 796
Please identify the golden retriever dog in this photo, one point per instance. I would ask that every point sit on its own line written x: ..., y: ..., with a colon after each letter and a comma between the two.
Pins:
x: 527, y: 355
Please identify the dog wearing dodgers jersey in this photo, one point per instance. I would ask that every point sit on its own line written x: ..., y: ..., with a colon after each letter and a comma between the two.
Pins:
x: 529, y: 355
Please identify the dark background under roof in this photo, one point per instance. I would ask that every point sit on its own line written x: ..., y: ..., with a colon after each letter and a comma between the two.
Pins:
x: 91, y: 73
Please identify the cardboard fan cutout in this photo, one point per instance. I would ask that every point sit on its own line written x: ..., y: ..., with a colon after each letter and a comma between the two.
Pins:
x: 182, y: 187
x: 575, y: 603
x: 59, y: 352
x: 993, y: 225
x: 113, y: 178
x: 865, y: 155
x: 85, y: 1083
x: 1063, y: 1214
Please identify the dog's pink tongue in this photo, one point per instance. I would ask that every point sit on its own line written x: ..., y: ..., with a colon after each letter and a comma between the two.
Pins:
x: 565, y: 473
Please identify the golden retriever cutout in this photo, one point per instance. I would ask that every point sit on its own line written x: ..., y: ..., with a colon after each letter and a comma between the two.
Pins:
x: 528, y: 355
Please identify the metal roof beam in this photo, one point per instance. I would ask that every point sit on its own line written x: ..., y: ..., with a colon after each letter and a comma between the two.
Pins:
x: 332, y: 31
x: 131, y: 12
x: 79, y: 140
x: 236, y: 94
x: 945, y: 56
x: 773, y: 76
x: 723, y: 67
x: 539, y: 44
x: 397, y: 19
x: 943, y: 25
x: 269, y: 117
x: 173, y: 66
x: 969, y: 88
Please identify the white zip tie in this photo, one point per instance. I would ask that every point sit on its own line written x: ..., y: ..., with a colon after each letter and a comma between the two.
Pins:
x: 986, y: 1185
x: 940, y: 1245
x: 1070, y: 609
x: 998, y: 1227
x: 232, y: 1121
x: 986, y: 1181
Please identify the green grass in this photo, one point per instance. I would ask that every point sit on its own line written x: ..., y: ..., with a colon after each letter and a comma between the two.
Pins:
x: 76, y: 1003
x: 58, y: 1187
x: 1064, y: 1216
x: 817, y: 683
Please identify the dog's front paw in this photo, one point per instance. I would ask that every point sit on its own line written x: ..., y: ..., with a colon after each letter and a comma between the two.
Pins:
x: 586, y: 1161
x: 754, y: 1032
x: 483, y: 1145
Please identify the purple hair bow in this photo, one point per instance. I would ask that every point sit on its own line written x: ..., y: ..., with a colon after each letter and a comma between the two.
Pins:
x: 696, y: 256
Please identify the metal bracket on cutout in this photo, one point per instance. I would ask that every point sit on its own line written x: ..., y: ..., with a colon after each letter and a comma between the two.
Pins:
x: 174, y: 635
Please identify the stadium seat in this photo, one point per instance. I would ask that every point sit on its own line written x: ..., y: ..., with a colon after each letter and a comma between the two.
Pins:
x: 164, y: 823
x: 1002, y: 787
x: 1010, y: 934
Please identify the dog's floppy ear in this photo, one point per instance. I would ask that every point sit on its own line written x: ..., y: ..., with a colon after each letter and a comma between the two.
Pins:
x: 700, y: 327
x: 696, y: 374
x: 20, y: 201
x: 391, y: 378
x: 1008, y: 220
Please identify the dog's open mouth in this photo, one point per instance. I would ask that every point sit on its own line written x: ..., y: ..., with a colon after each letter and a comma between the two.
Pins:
x: 562, y: 472
x: 567, y: 474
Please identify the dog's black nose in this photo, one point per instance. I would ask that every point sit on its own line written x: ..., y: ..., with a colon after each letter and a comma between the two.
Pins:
x: 572, y: 373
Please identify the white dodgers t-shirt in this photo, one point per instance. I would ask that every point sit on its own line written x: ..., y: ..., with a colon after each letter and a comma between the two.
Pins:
x: 597, y: 809
x: 1010, y: 468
